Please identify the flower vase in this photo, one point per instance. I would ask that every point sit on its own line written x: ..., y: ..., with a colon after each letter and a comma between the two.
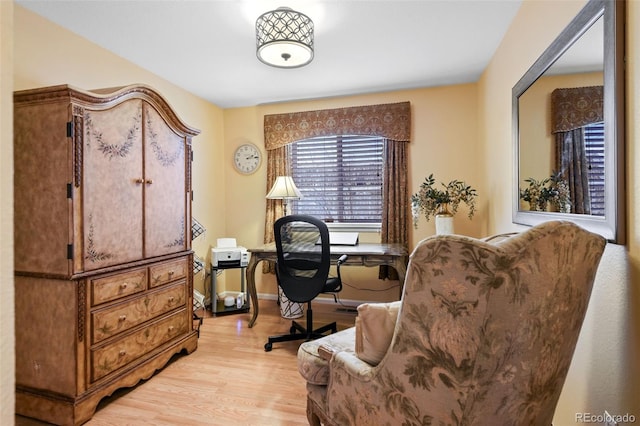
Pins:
x: 537, y: 206
x: 444, y: 220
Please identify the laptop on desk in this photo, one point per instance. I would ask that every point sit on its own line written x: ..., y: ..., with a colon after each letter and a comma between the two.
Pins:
x: 342, y: 238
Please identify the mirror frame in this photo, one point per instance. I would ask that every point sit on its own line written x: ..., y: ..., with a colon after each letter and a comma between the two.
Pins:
x: 612, y: 225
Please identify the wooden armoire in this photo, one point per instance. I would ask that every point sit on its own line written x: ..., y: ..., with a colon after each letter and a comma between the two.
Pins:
x: 103, y: 260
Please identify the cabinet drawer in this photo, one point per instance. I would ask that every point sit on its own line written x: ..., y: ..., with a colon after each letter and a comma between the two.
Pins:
x: 110, y: 321
x: 167, y: 272
x: 111, y: 357
x: 113, y: 287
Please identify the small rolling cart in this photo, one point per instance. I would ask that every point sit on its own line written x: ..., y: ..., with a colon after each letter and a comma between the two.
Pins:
x: 228, y: 255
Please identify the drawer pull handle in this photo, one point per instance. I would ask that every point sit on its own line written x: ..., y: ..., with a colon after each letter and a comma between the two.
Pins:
x: 171, y: 300
x: 171, y: 273
x: 122, y: 353
x: 122, y: 318
x: 139, y: 180
x: 123, y: 286
x: 149, y: 181
x: 171, y: 328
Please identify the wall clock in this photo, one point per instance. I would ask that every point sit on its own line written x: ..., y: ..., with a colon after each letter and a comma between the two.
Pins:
x: 247, y: 158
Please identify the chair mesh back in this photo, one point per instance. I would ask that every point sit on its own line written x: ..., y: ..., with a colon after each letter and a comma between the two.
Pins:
x: 303, y: 256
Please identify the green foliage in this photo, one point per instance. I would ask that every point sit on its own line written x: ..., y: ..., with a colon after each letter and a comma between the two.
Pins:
x: 430, y: 200
x: 553, y: 190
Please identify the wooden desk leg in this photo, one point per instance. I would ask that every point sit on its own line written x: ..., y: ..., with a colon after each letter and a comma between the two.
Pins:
x: 400, y: 265
x: 251, y: 288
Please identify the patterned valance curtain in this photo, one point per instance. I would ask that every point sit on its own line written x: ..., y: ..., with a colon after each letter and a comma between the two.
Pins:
x: 390, y: 121
x: 571, y: 109
x: 575, y: 107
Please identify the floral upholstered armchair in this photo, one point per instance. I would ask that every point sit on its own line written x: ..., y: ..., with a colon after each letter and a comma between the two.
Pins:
x: 484, y: 334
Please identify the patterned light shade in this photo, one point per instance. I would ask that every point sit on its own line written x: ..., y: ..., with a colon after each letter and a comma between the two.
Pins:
x: 284, y: 38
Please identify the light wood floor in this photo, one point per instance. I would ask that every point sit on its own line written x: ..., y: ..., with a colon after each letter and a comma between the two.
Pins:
x: 228, y: 380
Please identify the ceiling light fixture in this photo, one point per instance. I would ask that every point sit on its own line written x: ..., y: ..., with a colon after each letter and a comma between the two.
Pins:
x: 284, y: 38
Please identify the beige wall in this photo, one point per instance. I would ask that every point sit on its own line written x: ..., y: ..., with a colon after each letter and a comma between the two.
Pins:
x: 604, y: 374
x: 7, y: 341
x: 605, y: 371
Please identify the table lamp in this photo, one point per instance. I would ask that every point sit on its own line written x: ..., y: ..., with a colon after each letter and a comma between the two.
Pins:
x: 284, y: 189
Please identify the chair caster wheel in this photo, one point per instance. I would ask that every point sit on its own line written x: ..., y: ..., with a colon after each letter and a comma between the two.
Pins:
x: 268, y: 347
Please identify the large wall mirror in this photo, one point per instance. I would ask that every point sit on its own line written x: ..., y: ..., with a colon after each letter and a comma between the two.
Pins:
x: 568, y: 127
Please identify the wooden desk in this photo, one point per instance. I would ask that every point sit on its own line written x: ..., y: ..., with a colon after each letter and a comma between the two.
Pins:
x: 363, y: 254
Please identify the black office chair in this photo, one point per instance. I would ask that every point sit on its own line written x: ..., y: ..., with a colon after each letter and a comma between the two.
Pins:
x: 302, y: 270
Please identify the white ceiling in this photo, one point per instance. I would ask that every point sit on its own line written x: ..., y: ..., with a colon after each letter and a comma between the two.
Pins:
x: 207, y: 47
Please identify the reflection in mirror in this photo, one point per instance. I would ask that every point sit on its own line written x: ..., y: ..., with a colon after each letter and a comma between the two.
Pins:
x: 567, y: 127
x: 561, y: 160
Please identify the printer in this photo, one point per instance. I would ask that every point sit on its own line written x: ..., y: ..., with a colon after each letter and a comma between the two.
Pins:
x: 228, y: 254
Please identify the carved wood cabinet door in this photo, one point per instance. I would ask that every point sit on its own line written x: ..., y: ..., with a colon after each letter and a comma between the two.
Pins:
x: 165, y: 199
x: 113, y: 185
x: 135, y: 198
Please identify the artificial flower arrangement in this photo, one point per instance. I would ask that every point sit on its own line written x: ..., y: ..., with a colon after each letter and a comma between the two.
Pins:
x: 553, y: 190
x: 431, y: 201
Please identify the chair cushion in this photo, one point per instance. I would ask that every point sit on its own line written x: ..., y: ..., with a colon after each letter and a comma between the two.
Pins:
x: 375, y: 324
x: 315, y: 369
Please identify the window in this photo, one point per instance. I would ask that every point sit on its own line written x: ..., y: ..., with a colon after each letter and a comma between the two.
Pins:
x: 594, y: 147
x: 340, y: 178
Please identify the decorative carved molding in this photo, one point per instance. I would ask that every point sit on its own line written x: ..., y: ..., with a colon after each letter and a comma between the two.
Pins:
x: 82, y: 293
x: 78, y: 110
x: 107, y: 98
x: 188, y: 164
x: 78, y: 146
x: 190, y: 276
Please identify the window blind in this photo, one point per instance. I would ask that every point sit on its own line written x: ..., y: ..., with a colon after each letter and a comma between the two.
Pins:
x: 340, y: 178
x: 594, y: 147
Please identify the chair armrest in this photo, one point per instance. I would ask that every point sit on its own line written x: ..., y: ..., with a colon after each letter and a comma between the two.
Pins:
x: 352, y: 365
x: 340, y: 261
x: 326, y: 352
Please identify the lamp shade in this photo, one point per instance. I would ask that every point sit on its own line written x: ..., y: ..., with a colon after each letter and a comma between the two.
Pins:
x: 284, y: 38
x: 284, y: 189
